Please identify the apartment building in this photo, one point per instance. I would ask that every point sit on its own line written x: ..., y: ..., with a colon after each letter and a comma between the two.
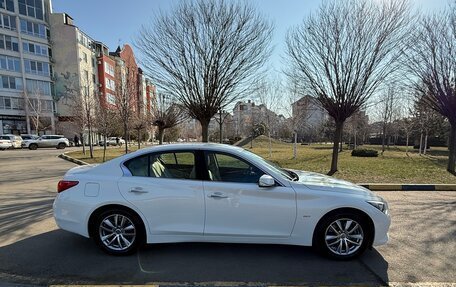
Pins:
x: 26, y: 98
x: 75, y: 69
x: 106, y: 76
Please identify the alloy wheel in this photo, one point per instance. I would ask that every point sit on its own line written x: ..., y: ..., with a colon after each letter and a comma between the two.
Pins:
x: 117, y: 232
x: 344, y: 236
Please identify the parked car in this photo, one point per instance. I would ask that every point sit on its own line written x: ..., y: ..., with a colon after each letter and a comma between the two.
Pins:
x: 10, y: 141
x: 113, y: 141
x: 216, y: 193
x: 57, y: 141
x: 26, y: 138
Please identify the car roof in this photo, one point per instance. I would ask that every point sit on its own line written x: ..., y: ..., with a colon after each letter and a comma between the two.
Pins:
x: 194, y: 146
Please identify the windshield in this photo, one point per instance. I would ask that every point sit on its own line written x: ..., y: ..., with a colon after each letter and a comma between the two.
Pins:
x: 285, y: 173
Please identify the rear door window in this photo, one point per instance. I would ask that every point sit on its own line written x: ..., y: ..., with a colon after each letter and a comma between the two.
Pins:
x: 177, y: 165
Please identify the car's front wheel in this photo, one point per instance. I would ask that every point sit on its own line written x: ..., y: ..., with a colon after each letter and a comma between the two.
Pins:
x: 61, y: 146
x: 118, y: 232
x: 343, y: 235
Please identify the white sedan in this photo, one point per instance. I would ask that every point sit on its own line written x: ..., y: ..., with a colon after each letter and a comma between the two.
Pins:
x: 216, y: 193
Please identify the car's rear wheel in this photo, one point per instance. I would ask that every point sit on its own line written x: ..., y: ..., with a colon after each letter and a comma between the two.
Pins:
x: 118, y: 232
x: 61, y: 146
x: 343, y: 235
x: 33, y: 146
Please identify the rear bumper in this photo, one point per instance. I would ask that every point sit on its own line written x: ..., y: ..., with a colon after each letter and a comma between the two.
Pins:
x: 69, y: 217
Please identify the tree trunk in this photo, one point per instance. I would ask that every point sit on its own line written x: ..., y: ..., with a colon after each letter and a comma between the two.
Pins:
x: 221, y: 124
x: 421, y: 143
x: 161, y: 135
x: 406, y: 143
x: 335, y: 155
x: 90, y: 141
x: 204, y: 130
x: 341, y: 148
x: 126, y: 137
x: 425, y: 142
x: 104, y: 149
x: 83, y: 143
x: 383, y: 138
x: 270, y: 144
x: 295, y: 140
x: 452, y: 146
x: 139, y: 139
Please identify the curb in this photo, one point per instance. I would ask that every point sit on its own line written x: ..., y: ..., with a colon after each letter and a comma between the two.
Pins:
x: 409, y: 187
x: 73, y: 160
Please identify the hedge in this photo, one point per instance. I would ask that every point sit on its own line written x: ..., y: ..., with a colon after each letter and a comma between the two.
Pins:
x: 364, y: 153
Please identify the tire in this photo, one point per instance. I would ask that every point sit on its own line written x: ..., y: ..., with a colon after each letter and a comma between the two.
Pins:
x: 346, y: 243
x: 61, y: 146
x: 111, y: 231
x: 33, y: 146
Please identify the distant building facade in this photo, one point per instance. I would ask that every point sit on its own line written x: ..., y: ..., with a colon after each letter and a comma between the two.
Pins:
x: 25, y: 67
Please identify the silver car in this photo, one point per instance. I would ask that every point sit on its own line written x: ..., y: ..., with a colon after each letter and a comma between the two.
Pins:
x: 57, y: 141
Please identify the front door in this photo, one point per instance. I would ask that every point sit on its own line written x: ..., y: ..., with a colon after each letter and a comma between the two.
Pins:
x: 237, y: 207
x: 166, y: 189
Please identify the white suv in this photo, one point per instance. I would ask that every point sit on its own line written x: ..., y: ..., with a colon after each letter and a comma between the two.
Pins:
x: 10, y: 141
x: 57, y: 141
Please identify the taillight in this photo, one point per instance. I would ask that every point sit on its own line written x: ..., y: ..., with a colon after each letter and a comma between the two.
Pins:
x: 65, y: 184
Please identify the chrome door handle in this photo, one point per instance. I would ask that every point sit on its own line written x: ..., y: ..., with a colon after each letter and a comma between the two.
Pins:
x: 138, y: 190
x: 217, y: 195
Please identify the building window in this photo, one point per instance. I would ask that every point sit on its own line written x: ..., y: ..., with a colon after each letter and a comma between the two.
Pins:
x: 31, y: 8
x: 93, y: 62
x: 8, y: 22
x: 37, y: 68
x: 42, y: 105
x: 34, y: 29
x: 40, y: 87
x: 84, y: 57
x: 109, y: 69
x: 110, y: 84
x: 7, y: 5
x: 9, y: 43
x: 94, y: 79
x: 35, y: 49
x: 10, y: 63
x: 110, y: 98
x: 11, y: 83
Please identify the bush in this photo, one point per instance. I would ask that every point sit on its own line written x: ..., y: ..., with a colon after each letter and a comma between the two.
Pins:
x: 365, y: 152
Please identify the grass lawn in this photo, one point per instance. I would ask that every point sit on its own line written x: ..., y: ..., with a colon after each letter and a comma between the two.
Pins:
x: 394, y: 166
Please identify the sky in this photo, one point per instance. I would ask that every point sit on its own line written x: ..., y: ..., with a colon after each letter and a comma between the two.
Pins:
x: 116, y: 22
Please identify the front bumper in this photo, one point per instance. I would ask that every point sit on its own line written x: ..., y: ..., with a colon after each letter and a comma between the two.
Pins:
x: 382, y: 224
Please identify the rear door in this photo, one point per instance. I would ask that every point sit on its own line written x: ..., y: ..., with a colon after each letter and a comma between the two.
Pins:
x: 166, y: 187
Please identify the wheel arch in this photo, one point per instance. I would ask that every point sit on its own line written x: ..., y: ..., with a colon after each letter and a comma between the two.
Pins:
x: 356, y: 211
x: 103, y: 208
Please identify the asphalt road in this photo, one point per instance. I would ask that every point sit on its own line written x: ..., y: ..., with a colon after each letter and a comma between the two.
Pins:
x: 422, y: 244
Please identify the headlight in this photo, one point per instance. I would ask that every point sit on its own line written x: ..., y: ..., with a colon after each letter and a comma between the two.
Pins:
x: 380, y: 205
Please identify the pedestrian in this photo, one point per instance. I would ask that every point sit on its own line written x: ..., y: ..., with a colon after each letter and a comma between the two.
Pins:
x: 117, y: 140
x: 76, y: 140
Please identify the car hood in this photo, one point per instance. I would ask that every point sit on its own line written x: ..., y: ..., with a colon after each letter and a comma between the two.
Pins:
x: 317, y: 181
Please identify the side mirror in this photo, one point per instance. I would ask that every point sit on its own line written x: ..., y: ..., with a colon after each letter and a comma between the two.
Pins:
x: 266, y: 181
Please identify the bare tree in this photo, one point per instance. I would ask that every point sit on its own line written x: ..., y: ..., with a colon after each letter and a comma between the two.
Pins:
x: 166, y: 114
x: 104, y: 123
x: 206, y: 53
x: 269, y: 93
x: 126, y: 89
x: 344, y: 52
x: 431, y: 58
x: 220, y: 119
x: 387, y: 110
x: 80, y: 95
